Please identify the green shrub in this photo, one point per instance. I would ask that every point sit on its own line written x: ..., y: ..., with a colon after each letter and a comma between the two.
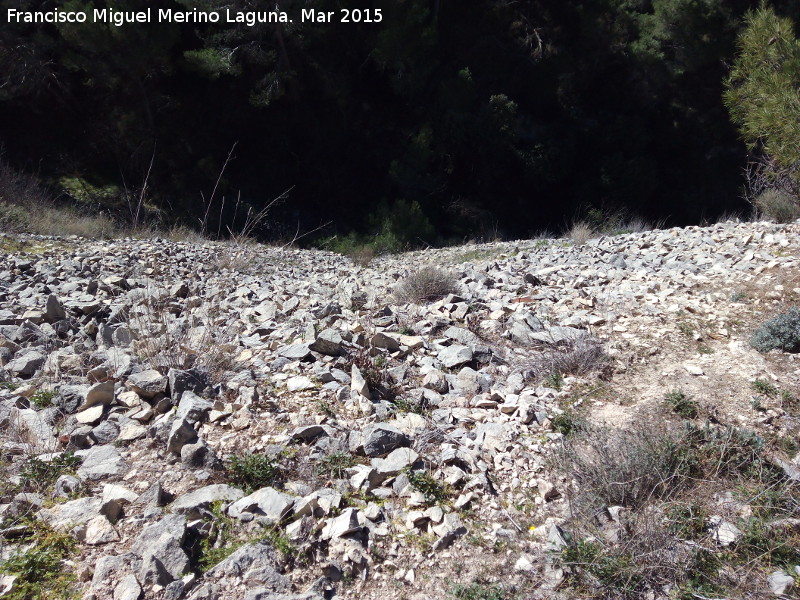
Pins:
x: 681, y: 404
x: 426, y: 285
x: 39, y: 569
x: 253, y: 471
x: 434, y: 491
x: 38, y: 475
x: 762, y: 386
x: 335, y: 465
x: 567, y: 422
x: 478, y: 591
x: 43, y: 398
x: 779, y: 333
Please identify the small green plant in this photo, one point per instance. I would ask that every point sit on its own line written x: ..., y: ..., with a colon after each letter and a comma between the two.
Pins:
x: 38, y: 475
x: 779, y: 333
x: 281, y: 543
x: 220, y: 543
x: 325, y: 407
x: 738, y: 296
x: 688, y: 521
x: 777, y: 206
x: 478, y: 591
x: 39, y: 568
x: 681, y: 405
x: 253, y: 471
x: 434, y: 491
x: 335, y: 465
x: 762, y: 386
x: 405, y: 330
x: 755, y: 402
x: 567, y: 422
x: 555, y: 381
x: 9, y: 385
x: 789, y: 402
x: 686, y: 328
x: 43, y: 399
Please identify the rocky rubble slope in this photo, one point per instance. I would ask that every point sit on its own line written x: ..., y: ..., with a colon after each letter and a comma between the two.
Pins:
x: 219, y: 421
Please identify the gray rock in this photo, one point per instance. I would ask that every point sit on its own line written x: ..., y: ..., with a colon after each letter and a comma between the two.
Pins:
x: 200, y: 455
x: 344, y: 524
x: 148, y: 384
x: 267, y: 502
x: 393, y: 464
x: 558, y: 335
x: 295, y: 351
x: 454, y: 356
x: 71, y: 513
x: 101, y: 462
x: 358, y: 384
x: 253, y: 564
x: 70, y: 397
x: 299, y: 383
x: 105, y: 433
x: 780, y: 582
x: 179, y: 381
x: 329, y: 342
x: 33, y: 429
x: 387, y: 342
x: 194, y: 503
x: 99, y: 393
x: 181, y: 433
x: 382, y: 438
x: 160, y: 546
x: 66, y: 485
x: 26, y: 364
x: 193, y: 408
x: 54, y: 310
x: 308, y: 432
x: 127, y: 589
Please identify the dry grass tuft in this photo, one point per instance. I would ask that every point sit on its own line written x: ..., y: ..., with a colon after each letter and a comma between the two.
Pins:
x: 426, y: 285
x: 580, y: 356
x: 580, y: 233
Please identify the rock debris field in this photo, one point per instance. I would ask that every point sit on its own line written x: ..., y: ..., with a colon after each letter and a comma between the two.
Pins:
x: 221, y: 421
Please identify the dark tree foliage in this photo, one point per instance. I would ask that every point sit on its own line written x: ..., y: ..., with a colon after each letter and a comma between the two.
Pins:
x: 446, y: 119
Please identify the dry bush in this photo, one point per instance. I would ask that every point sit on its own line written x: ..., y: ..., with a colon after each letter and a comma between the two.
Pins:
x: 426, y: 285
x: 580, y: 233
x: 205, y: 339
x: 580, y: 356
x: 622, y: 468
x: 26, y: 206
x: 777, y: 205
x: 182, y: 233
x: 362, y: 255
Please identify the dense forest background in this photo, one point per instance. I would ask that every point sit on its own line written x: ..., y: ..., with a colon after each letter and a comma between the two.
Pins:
x: 449, y: 119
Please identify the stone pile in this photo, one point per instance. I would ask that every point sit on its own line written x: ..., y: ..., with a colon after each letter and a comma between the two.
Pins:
x: 397, y: 432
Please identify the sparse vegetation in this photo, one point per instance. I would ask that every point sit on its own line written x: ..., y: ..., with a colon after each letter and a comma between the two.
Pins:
x: 579, y: 356
x: 220, y: 542
x: 478, y: 591
x: 38, y: 475
x: 335, y: 465
x: 682, y: 405
x: 779, y: 333
x: 426, y: 285
x: 663, y: 481
x: 580, y: 233
x: 38, y: 565
x: 777, y: 205
x: 762, y: 386
x: 43, y: 398
x: 435, y: 492
x: 253, y: 471
x: 567, y: 422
